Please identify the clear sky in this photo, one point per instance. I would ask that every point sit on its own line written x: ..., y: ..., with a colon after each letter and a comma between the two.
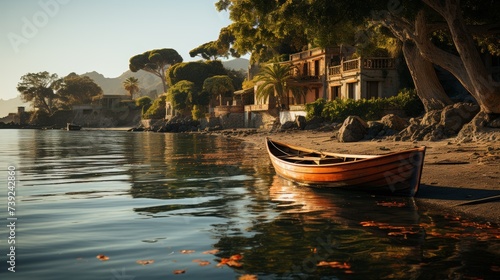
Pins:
x: 64, y: 36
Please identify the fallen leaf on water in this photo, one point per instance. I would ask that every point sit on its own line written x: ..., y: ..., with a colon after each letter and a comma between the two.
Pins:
x: 248, y: 277
x: 236, y: 257
x: 201, y: 262
x: 334, y: 264
x: 102, y: 257
x: 232, y: 261
x: 145, y: 262
x: 179, y: 271
x: 187, y: 251
x: 391, y: 204
x: 211, y: 252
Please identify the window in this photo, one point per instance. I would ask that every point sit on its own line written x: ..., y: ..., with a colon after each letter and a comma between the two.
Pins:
x: 371, y: 90
x: 335, y: 92
x: 351, y: 90
x: 316, y: 68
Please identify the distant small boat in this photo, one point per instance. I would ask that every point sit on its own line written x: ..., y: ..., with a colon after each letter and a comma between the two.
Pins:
x: 70, y: 126
x: 395, y: 173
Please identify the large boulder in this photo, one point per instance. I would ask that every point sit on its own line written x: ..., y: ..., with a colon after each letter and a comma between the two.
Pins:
x: 353, y: 129
x: 454, y: 117
x: 301, y: 122
x: 394, y: 122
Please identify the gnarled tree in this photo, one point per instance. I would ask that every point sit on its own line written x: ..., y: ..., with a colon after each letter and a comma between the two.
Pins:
x: 38, y: 88
x: 155, y: 62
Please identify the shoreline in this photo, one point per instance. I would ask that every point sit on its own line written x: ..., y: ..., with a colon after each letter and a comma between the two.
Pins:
x: 461, y: 177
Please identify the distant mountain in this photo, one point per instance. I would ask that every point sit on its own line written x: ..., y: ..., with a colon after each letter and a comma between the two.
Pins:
x: 10, y: 105
x: 237, y: 64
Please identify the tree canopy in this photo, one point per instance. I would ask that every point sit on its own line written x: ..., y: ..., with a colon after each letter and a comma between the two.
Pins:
x: 76, y: 90
x: 156, y: 62
x: 219, y: 86
x: 38, y: 88
x: 196, y: 72
x: 131, y: 84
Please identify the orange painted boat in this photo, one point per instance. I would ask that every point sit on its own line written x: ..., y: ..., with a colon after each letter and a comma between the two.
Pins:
x: 395, y: 173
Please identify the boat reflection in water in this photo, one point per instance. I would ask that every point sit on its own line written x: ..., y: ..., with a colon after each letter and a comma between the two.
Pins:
x: 352, y: 235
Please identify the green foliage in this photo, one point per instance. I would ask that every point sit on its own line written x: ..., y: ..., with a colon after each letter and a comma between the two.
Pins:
x: 181, y: 94
x: 38, y: 88
x: 367, y: 109
x: 143, y: 101
x: 218, y: 86
x: 275, y: 81
x: 196, y: 72
x: 197, y: 113
x: 157, y: 109
x: 315, y: 108
x: 131, y: 84
x: 76, y: 90
x: 155, y: 62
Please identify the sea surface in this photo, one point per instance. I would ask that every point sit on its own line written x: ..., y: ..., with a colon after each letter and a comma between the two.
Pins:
x: 122, y: 205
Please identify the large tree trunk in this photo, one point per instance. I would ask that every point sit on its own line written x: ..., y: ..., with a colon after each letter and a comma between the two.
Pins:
x: 473, y: 73
x: 429, y: 89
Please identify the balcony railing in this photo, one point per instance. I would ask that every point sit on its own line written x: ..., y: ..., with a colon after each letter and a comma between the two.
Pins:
x: 371, y: 63
x: 258, y: 107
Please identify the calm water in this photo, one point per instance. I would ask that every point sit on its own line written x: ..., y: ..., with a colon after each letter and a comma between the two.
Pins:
x: 187, y: 202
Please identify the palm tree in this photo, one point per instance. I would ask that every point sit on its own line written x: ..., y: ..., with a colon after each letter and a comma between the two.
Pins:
x: 275, y: 80
x: 131, y: 85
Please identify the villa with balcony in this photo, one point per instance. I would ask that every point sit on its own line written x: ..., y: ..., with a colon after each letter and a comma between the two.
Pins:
x: 329, y: 73
x: 364, y: 77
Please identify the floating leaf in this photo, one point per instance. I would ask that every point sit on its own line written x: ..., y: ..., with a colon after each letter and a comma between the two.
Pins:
x: 145, y: 262
x: 236, y: 257
x: 187, y: 251
x: 391, y: 204
x: 179, y: 271
x: 248, y: 277
x: 234, y: 263
x: 334, y: 265
x: 102, y: 257
x: 211, y: 252
x: 201, y: 262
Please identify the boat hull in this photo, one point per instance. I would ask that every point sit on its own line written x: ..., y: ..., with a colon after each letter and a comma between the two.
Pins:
x: 396, y: 173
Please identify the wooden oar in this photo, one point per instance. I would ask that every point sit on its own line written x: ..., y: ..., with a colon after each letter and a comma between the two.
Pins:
x: 480, y: 200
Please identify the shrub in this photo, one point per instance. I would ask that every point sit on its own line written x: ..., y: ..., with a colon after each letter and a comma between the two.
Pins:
x: 197, y: 113
x: 314, y: 109
x: 157, y: 109
x: 367, y: 109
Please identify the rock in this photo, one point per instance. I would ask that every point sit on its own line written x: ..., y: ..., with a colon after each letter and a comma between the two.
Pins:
x: 374, y: 129
x: 301, y: 122
x: 289, y: 125
x: 353, y: 129
x: 394, y: 122
x: 315, y: 123
x: 454, y: 117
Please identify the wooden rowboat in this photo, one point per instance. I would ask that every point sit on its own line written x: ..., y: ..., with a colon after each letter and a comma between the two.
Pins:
x: 395, y: 173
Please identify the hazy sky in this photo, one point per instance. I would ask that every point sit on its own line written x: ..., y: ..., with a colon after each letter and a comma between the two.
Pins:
x: 64, y: 36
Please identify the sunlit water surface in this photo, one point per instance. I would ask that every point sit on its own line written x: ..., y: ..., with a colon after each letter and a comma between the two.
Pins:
x: 120, y: 205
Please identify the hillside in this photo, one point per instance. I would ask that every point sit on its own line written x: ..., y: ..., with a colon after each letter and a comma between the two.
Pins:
x: 10, y: 105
